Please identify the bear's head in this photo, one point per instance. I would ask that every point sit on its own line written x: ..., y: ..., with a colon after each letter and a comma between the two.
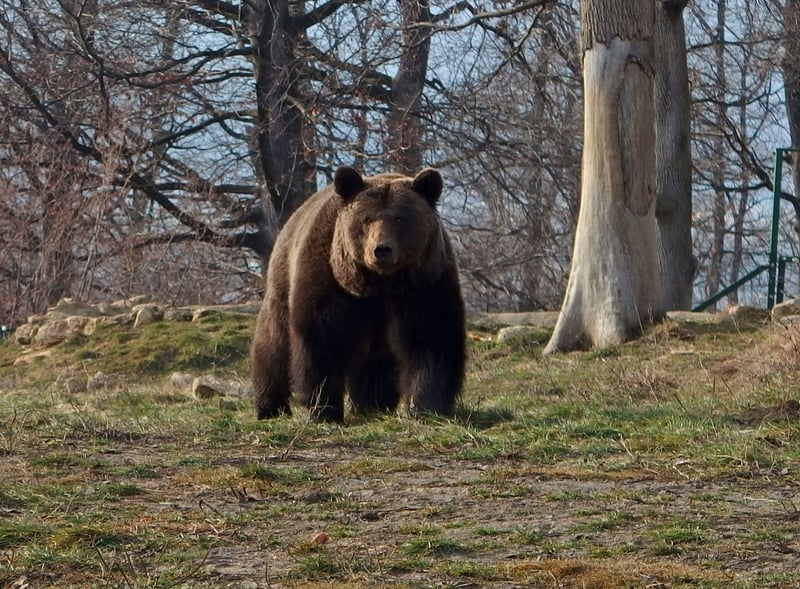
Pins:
x: 387, y: 230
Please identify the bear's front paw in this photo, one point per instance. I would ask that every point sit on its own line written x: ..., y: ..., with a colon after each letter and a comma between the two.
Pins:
x: 270, y: 411
x: 326, y: 414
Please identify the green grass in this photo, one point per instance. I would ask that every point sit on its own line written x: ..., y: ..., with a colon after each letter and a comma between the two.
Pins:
x: 216, y: 343
x: 438, y: 547
x: 668, y: 461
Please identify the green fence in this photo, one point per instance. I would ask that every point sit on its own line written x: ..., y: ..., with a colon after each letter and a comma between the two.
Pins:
x: 776, y: 264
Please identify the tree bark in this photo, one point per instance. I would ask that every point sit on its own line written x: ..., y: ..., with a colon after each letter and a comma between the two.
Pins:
x: 791, y: 77
x: 741, y: 208
x: 286, y: 161
x: 673, y: 157
x: 614, y: 285
x: 719, y: 229
x: 405, y: 127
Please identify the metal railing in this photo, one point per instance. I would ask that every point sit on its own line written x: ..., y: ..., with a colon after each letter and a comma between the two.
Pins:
x: 776, y: 264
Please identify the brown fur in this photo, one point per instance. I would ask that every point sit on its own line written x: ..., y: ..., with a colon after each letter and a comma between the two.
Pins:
x: 362, y: 294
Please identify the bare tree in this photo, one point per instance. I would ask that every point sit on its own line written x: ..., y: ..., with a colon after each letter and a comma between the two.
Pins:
x: 791, y: 77
x: 283, y: 130
x: 174, y: 138
x: 404, y: 123
x: 717, y: 251
x: 673, y: 157
x: 211, y: 121
x: 735, y: 74
x: 614, y: 283
x: 510, y: 137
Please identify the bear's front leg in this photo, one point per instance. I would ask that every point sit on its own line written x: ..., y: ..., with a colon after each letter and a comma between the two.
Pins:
x: 372, y: 381
x: 317, y: 376
x: 432, y: 382
x: 428, y: 336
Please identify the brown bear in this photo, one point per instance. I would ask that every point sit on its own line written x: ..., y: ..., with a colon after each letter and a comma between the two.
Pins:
x: 362, y: 295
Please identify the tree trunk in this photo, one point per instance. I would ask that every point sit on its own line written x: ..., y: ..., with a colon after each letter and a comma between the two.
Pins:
x: 286, y: 161
x: 673, y: 157
x: 614, y: 284
x: 718, y: 227
x: 404, y: 122
x: 791, y: 77
x: 740, y: 208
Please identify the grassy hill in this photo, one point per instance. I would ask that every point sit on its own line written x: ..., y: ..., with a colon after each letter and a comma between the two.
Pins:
x: 666, y: 462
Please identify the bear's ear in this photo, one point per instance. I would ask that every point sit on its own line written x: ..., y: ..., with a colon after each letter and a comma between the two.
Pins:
x: 348, y: 182
x: 429, y: 184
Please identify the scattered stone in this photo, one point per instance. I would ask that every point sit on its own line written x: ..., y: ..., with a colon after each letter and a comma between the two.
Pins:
x: 177, y: 314
x: 114, y: 320
x: 243, y: 309
x: 71, y: 383
x: 36, y: 319
x: 541, y: 319
x: 133, y: 301
x: 70, y: 317
x: 111, y: 309
x: 51, y: 332
x: 69, y: 307
x: 739, y: 314
x: 146, y: 314
x: 181, y: 380
x: 786, y: 309
x: 104, y: 382
x: 516, y: 333
x: 200, y: 312
x: 24, y: 334
x: 91, y: 325
x: 207, y: 387
x: 700, y: 318
x: 32, y: 356
x: 76, y: 323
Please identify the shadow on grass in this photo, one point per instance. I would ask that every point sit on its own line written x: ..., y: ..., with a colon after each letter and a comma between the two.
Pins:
x: 483, y: 418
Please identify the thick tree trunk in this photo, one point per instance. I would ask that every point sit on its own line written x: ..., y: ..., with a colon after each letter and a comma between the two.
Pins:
x: 286, y: 161
x: 405, y: 126
x: 673, y: 157
x: 614, y: 285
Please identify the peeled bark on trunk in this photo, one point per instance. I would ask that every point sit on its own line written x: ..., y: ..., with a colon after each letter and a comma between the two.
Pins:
x: 614, y: 285
x: 673, y: 158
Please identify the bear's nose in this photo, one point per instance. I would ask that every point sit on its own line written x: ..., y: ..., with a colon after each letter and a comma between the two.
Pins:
x: 383, y: 252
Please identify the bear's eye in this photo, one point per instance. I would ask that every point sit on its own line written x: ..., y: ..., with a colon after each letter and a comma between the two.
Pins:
x: 366, y: 220
x: 399, y: 220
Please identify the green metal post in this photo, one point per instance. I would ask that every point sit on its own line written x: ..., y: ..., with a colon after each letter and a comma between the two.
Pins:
x: 729, y: 289
x: 781, y: 286
x: 773, y: 242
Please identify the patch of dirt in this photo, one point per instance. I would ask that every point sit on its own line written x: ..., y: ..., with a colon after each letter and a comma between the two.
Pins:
x: 536, y: 514
x: 788, y: 410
